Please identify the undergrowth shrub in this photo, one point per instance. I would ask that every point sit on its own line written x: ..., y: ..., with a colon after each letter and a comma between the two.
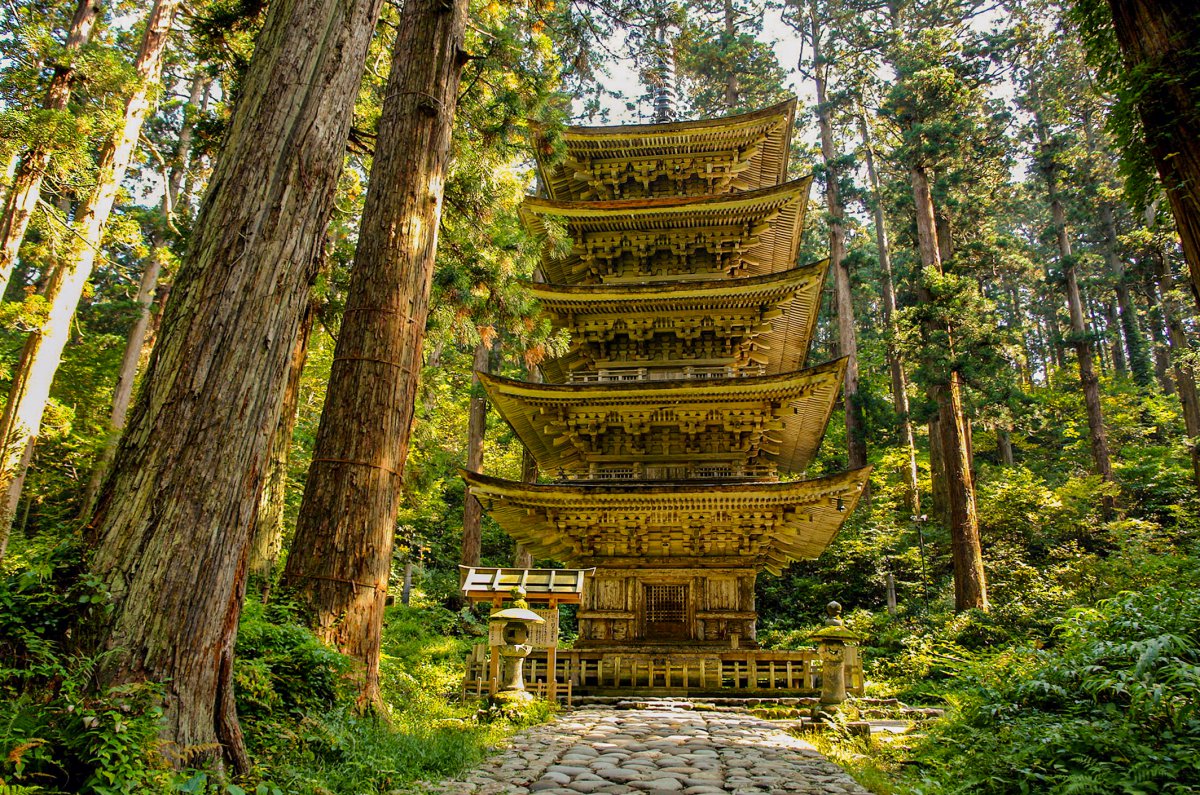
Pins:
x: 57, y: 734
x: 1112, y: 708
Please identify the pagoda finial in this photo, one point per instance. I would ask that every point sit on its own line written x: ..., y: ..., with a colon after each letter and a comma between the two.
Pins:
x: 663, y: 76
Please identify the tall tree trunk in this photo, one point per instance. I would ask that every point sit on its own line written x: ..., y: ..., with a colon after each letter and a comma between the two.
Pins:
x: 1185, y: 374
x: 856, y: 441
x: 1160, y: 42
x: 1160, y: 346
x: 1135, y: 340
x: 135, y: 341
x: 1080, y: 340
x: 26, y: 187
x: 476, y: 426
x: 970, y: 583
x: 171, y: 541
x: 43, y: 348
x: 267, y: 535
x: 1112, y: 322
x: 899, y: 377
x: 341, y: 558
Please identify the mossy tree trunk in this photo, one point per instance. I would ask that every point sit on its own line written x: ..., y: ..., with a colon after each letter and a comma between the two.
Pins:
x: 341, y: 559
x: 970, y: 583
x: 171, y: 530
x: 1160, y: 42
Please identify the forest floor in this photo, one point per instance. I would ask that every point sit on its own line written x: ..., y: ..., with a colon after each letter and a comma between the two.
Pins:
x: 663, y: 750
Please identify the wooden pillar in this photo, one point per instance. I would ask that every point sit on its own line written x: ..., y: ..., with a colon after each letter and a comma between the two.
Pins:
x: 552, y: 661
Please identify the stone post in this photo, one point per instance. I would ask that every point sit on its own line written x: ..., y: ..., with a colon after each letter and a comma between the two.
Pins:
x: 513, y: 650
x: 832, y: 641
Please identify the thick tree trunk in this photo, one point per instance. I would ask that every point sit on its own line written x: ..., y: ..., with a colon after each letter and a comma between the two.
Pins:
x: 43, y: 349
x: 26, y: 186
x: 970, y: 584
x: 1160, y: 41
x: 171, y: 531
x: 341, y: 558
x: 476, y: 427
x: 899, y: 377
x: 856, y: 442
x: 267, y: 536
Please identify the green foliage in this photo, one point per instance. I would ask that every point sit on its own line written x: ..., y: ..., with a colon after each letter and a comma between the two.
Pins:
x: 1111, y: 709
x: 303, y: 726
x: 57, y: 733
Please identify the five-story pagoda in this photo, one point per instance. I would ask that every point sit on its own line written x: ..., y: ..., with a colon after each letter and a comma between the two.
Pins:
x: 684, y: 397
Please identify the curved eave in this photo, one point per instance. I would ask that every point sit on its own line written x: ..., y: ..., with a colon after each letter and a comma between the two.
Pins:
x: 766, y: 289
x: 772, y: 126
x: 797, y: 293
x: 808, y: 510
x: 774, y: 216
x: 798, y: 404
x: 667, y: 211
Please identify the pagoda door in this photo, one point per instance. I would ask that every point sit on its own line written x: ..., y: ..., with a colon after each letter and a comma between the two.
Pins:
x: 667, y: 613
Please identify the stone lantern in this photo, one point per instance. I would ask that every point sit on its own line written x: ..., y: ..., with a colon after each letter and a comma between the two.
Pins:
x: 832, y: 640
x: 513, y: 649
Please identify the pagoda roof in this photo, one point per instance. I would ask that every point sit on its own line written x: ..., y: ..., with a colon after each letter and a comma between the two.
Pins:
x: 777, y: 418
x: 763, y: 226
x: 779, y: 310
x: 751, y: 151
x: 766, y: 525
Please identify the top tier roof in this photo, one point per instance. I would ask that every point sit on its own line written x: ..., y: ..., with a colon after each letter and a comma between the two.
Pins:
x: 736, y: 153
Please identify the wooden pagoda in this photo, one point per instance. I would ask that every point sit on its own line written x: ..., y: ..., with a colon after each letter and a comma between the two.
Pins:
x: 684, y: 398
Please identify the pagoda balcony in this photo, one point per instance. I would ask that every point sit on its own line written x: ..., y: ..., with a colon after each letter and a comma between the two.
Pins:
x: 687, y: 373
x: 665, y: 472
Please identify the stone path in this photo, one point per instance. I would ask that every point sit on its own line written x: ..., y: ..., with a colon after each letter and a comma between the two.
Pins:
x: 662, y: 750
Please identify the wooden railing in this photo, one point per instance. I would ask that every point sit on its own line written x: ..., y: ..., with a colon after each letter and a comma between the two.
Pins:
x: 759, y: 671
x: 690, y: 372
x: 697, y: 471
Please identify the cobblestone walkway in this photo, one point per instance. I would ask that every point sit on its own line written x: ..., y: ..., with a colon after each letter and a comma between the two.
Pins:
x: 660, y: 750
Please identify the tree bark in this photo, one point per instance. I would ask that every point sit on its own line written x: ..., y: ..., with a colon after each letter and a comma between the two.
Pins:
x: 1097, y: 436
x: 1135, y: 340
x: 476, y: 426
x: 43, y: 349
x: 899, y: 377
x: 856, y: 442
x: 1158, y: 339
x: 341, y: 558
x: 171, y: 541
x: 1185, y: 374
x: 970, y: 583
x: 26, y: 187
x: 267, y: 536
x: 1160, y: 42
